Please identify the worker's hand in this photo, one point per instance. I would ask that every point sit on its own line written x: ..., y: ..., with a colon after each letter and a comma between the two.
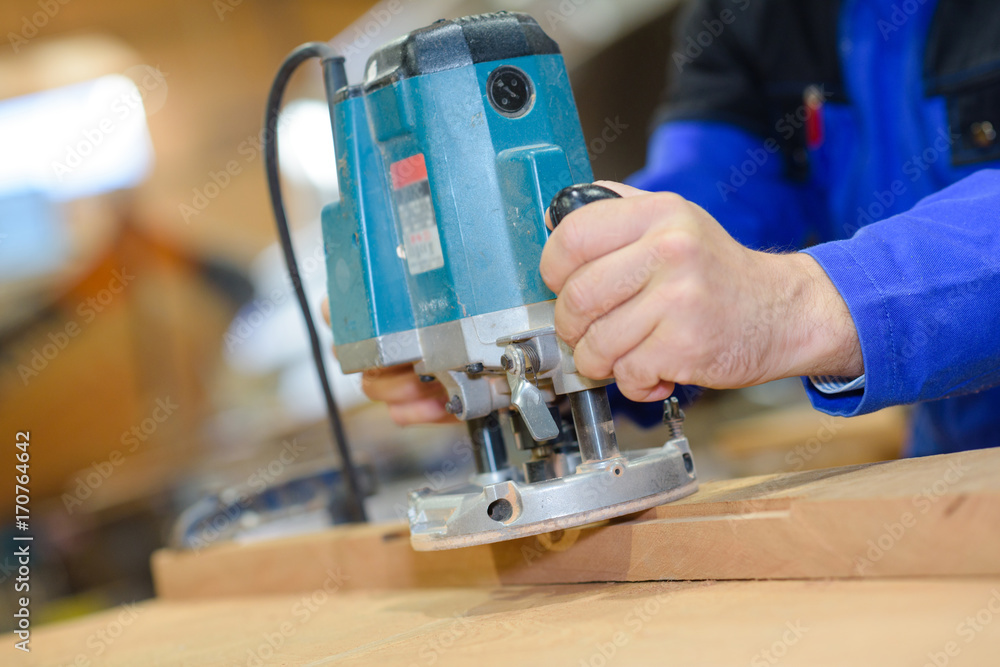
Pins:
x: 652, y: 291
x: 410, y: 401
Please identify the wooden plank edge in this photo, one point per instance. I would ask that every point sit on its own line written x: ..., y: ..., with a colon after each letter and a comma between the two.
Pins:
x: 934, y: 516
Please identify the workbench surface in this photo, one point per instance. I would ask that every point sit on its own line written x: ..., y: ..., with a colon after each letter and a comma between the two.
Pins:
x: 895, y: 563
x: 757, y: 623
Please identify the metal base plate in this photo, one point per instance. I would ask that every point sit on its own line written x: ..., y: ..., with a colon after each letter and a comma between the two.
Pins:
x: 486, y: 510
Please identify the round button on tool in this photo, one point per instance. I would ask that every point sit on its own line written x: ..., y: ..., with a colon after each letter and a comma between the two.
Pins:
x: 510, y: 91
x: 577, y: 196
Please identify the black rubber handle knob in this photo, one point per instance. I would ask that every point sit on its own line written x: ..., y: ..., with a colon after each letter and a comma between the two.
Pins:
x: 573, y: 197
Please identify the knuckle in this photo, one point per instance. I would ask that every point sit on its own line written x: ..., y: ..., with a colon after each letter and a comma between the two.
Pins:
x: 662, y: 206
x: 596, y: 337
x: 684, y: 375
x: 670, y: 201
x: 676, y: 244
x: 577, y: 297
x: 687, y: 299
x: 687, y: 356
x: 562, y: 328
x: 545, y: 266
x: 590, y: 358
x: 565, y: 326
x: 583, y: 360
x: 572, y: 237
x: 594, y: 367
x: 625, y: 374
x: 603, y: 343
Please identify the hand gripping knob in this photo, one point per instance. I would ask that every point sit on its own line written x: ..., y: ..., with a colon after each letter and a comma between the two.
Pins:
x: 573, y: 197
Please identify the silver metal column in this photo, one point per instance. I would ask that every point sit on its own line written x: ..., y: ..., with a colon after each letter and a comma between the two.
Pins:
x: 487, y: 441
x: 595, y: 430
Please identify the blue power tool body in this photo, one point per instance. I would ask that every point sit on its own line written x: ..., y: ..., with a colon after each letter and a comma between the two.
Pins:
x: 443, y: 191
x: 448, y: 154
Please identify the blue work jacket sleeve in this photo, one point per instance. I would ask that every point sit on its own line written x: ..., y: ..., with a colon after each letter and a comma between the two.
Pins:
x: 923, y: 288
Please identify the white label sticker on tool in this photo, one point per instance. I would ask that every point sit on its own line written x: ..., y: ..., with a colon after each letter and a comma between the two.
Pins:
x: 412, y: 196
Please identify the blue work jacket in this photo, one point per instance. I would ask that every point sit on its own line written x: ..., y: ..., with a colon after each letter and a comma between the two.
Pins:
x: 865, y: 132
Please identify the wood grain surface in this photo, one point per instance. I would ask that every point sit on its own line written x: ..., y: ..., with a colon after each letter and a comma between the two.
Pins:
x: 934, y: 516
x: 882, y: 623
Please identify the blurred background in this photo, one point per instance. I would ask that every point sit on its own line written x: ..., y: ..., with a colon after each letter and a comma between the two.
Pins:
x: 149, y: 340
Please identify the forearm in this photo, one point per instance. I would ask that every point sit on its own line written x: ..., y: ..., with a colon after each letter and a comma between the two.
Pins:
x: 817, y: 336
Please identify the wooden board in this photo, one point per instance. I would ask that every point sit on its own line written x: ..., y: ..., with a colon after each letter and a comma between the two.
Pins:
x: 935, y: 516
x: 882, y: 623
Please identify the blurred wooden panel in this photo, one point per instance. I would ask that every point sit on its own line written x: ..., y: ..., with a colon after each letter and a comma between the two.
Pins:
x: 116, y: 368
x: 61, y: 62
x: 800, y: 438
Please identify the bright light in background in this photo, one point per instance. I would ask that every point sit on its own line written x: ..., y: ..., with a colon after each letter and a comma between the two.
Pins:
x: 79, y: 140
x: 268, y: 335
x: 305, y: 146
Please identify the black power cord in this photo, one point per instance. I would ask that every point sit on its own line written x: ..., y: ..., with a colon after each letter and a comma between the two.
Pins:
x: 335, y: 78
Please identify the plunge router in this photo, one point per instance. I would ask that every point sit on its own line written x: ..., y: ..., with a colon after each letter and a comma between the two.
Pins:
x: 448, y: 154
